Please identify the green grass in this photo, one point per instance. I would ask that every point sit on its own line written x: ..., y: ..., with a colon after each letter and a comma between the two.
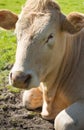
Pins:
x: 14, y: 5
x: 68, y: 6
x: 7, y: 48
x: 7, y: 38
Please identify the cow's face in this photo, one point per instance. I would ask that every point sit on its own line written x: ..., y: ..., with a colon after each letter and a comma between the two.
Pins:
x: 41, y: 44
x: 41, y: 38
x: 35, y: 49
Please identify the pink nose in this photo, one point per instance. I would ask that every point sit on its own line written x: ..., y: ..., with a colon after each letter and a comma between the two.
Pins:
x: 20, y: 79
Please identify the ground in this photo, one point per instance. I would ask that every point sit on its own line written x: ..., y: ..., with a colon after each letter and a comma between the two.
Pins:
x: 13, y: 116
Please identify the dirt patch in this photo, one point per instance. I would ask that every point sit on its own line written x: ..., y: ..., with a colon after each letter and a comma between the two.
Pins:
x: 13, y: 116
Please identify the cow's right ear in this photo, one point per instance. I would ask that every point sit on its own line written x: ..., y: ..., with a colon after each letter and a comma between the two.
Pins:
x: 8, y: 19
x: 73, y: 23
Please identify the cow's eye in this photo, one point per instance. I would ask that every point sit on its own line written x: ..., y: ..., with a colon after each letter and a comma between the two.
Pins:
x: 49, y: 38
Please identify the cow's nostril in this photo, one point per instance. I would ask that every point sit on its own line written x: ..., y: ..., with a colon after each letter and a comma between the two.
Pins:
x: 27, y: 79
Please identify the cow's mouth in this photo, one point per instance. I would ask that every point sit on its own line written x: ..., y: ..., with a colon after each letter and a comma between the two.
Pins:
x: 20, y: 80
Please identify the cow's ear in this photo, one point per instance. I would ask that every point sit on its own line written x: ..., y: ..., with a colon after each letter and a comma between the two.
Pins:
x: 8, y: 19
x: 73, y: 23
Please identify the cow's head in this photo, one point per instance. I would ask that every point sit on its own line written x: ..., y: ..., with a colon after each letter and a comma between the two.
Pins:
x: 39, y: 31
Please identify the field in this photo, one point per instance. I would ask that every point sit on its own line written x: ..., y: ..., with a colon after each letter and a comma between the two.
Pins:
x: 10, y: 96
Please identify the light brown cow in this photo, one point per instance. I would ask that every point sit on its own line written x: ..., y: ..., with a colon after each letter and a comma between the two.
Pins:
x: 50, y: 54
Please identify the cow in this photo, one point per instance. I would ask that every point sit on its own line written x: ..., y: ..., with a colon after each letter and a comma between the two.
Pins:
x: 49, y: 62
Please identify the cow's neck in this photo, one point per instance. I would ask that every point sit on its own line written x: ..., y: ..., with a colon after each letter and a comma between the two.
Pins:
x: 70, y: 61
x: 64, y: 68
x: 59, y: 78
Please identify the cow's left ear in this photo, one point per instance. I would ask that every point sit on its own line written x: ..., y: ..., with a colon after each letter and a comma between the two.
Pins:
x: 73, y: 23
x: 8, y: 19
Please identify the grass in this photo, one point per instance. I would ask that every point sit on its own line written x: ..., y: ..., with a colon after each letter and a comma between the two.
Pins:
x: 7, y: 38
x: 14, y: 5
x: 68, y: 6
x: 7, y: 48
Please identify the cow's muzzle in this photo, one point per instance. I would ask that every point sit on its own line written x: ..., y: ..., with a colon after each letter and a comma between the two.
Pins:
x: 20, y: 79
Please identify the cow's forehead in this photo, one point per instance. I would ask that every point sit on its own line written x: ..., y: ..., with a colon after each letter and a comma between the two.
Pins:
x: 40, y: 25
